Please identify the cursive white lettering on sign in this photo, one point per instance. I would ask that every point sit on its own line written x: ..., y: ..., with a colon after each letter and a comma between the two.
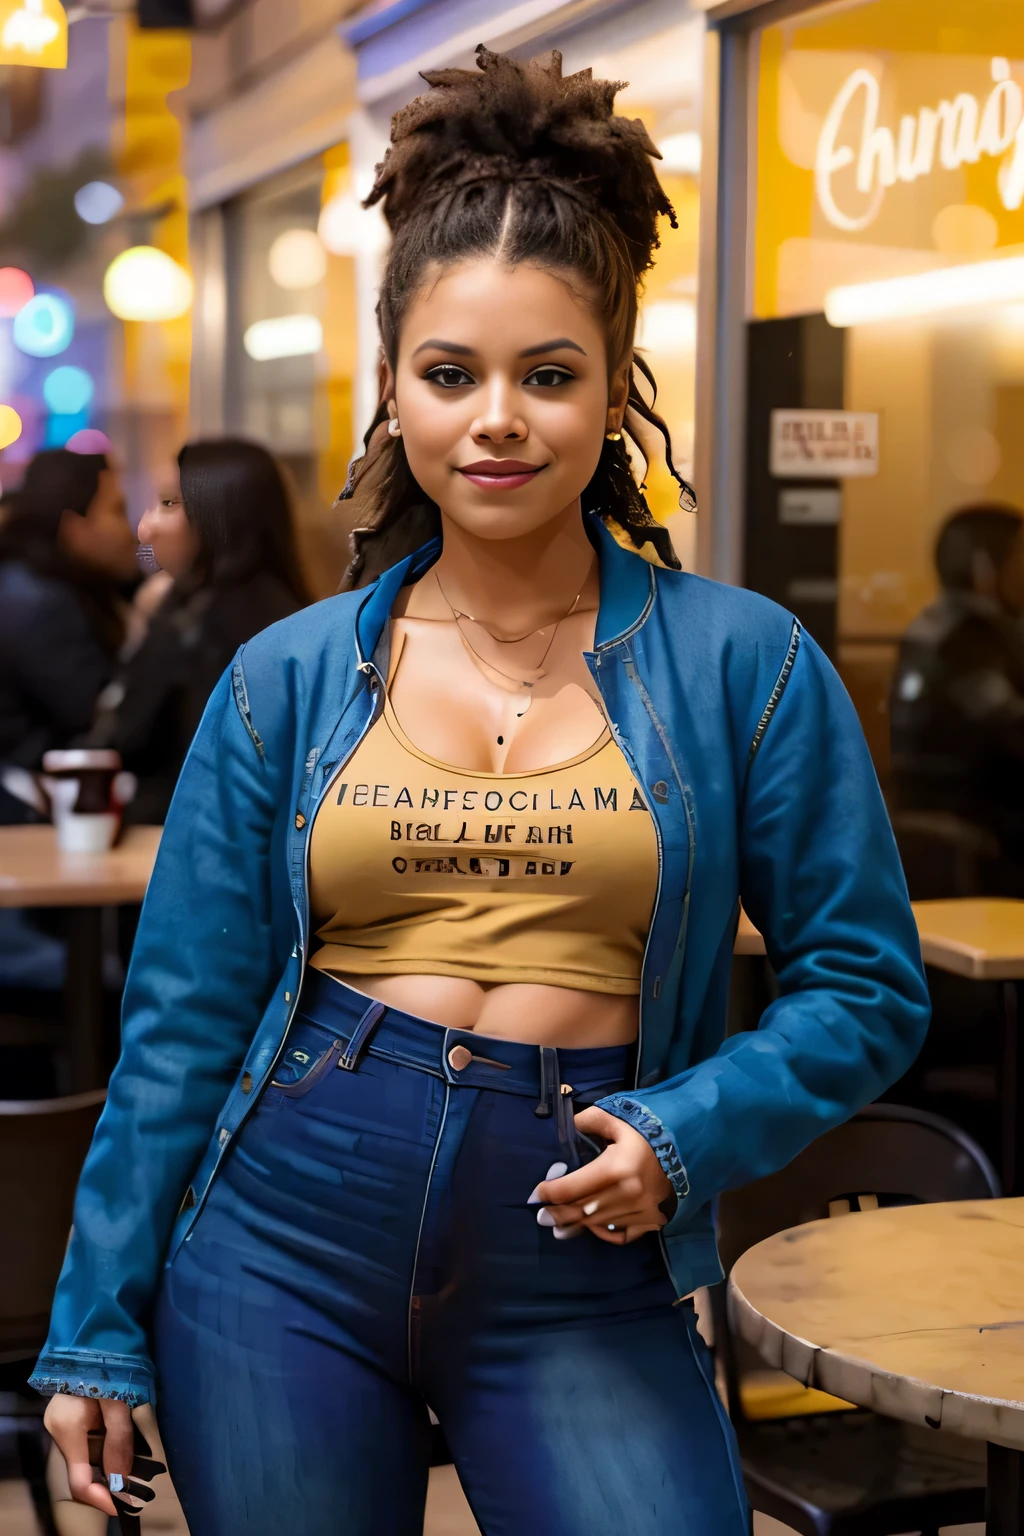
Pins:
x: 957, y: 132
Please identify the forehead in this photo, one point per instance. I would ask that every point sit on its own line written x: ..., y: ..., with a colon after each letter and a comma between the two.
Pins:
x: 495, y: 309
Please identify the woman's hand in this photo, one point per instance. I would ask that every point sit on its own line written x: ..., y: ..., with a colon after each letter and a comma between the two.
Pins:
x: 619, y: 1195
x: 70, y: 1421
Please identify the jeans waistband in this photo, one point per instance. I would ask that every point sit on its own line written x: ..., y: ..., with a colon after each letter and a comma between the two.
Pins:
x: 362, y: 1026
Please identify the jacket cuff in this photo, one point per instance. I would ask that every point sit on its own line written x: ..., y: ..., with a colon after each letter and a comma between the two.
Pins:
x: 87, y: 1373
x: 651, y: 1128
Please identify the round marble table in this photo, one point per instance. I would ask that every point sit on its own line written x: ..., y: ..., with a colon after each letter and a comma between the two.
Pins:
x: 916, y: 1312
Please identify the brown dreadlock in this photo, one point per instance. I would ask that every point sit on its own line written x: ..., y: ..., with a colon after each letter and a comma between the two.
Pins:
x: 516, y: 160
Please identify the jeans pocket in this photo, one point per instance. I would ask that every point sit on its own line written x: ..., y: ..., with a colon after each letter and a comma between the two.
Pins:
x: 301, y: 1067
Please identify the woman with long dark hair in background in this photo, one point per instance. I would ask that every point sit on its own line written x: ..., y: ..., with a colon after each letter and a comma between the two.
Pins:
x: 67, y: 560
x: 222, y: 528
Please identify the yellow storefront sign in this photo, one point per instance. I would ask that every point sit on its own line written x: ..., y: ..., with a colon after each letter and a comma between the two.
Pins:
x: 890, y: 141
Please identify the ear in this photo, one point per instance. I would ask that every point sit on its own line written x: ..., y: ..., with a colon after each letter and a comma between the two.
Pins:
x: 387, y: 387
x: 618, y: 396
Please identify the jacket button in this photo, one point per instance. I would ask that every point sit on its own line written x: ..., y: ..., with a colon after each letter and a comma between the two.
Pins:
x: 300, y: 821
x: 660, y: 791
x: 247, y: 1082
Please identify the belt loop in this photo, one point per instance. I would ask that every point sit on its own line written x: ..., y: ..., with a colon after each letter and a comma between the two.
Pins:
x: 361, y: 1037
x: 548, y: 1082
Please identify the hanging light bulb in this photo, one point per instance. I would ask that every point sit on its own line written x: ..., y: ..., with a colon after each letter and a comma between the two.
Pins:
x: 146, y: 284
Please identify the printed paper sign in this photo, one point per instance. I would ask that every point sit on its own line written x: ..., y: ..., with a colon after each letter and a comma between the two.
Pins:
x: 820, y: 445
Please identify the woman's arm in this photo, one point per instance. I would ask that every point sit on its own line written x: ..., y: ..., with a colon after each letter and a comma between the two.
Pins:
x: 202, y: 973
x: 821, y: 878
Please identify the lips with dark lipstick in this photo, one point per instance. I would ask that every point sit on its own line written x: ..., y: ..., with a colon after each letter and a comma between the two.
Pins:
x: 500, y: 474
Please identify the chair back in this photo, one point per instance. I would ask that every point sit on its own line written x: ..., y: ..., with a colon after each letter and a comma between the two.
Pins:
x: 43, y: 1143
x: 945, y: 856
x: 888, y: 1154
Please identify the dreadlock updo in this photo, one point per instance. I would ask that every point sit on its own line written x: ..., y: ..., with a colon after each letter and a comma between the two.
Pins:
x: 514, y: 160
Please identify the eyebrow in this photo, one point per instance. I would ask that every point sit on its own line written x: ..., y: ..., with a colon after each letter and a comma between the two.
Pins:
x: 553, y: 346
x: 457, y: 350
x: 444, y: 346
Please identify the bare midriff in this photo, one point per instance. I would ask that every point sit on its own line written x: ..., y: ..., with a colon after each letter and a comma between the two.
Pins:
x: 564, y: 1017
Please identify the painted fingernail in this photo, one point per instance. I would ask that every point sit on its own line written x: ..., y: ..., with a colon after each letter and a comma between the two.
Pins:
x: 589, y: 1209
x: 557, y: 1170
x: 545, y: 1218
x: 115, y: 1482
x: 563, y: 1233
x: 535, y: 1197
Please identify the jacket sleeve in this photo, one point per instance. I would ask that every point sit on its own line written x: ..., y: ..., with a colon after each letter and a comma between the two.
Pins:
x: 201, y: 975
x: 821, y: 878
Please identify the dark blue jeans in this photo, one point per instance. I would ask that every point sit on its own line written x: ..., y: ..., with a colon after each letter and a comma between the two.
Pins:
x: 368, y: 1251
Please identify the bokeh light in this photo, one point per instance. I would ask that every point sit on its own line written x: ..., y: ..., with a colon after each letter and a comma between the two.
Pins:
x: 34, y: 32
x: 89, y: 440
x: 97, y: 202
x: 297, y: 259
x: 346, y: 228
x: 284, y: 336
x: 146, y: 284
x: 44, y: 326
x: 68, y: 390
x: 10, y: 426
x: 16, y: 288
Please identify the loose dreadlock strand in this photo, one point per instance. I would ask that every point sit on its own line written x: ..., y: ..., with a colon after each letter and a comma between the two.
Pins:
x: 515, y: 159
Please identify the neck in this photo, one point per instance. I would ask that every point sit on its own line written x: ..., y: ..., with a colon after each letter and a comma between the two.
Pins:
x: 516, y: 584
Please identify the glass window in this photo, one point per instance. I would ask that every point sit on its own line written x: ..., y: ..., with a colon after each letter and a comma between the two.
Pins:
x: 291, y: 347
x: 886, y: 309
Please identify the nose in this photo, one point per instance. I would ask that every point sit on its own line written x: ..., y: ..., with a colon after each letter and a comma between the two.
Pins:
x: 500, y: 421
x: 144, y: 531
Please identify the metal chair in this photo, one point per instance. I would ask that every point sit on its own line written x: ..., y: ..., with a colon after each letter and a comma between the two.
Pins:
x: 43, y: 1143
x: 822, y: 1466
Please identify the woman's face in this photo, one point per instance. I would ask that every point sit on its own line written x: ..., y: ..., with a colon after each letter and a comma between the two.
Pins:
x: 501, y: 391
x: 102, y: 540
x: 166, y: 528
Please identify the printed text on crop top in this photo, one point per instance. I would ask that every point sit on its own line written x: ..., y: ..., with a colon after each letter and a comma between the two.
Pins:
x: 421, y: 868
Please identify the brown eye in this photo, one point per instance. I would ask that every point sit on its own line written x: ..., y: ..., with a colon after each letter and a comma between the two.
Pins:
x: 448, y: 376
x: 550, y: 376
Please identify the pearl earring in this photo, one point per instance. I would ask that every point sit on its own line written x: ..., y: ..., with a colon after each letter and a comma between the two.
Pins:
x: 613, y: 437
x: 393, y: 428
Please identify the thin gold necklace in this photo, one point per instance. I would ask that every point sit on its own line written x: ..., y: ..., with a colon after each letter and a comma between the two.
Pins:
x: 459, y: 614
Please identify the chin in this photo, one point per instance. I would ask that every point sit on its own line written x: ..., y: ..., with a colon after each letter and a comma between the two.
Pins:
x: 503, y: 522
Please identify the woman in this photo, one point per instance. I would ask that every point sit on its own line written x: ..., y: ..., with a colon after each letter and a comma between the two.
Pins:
x: 67, y: 553
x: 222, y: 529
x: 469, y: 845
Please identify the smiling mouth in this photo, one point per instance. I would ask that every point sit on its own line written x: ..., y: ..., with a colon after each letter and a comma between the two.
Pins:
x: 500, y: 474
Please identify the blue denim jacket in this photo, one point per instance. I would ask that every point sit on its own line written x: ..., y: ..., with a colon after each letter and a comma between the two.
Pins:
x: 759, y: 781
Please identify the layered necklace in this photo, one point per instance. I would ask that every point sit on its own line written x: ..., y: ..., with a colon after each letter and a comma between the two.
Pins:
x: 461, y: 618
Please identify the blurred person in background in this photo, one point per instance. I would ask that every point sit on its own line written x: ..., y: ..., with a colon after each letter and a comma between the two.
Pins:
x: 222, y: 530
x: 957, y: 701
x: 67, y: 562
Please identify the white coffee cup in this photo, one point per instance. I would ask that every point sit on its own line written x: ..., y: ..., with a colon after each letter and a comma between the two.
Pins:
x: 87, y: 791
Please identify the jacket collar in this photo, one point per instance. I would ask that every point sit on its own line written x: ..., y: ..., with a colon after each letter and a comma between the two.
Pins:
x: 627, y: 590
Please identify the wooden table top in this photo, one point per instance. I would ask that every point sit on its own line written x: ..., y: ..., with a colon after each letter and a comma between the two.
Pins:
x: 916, y: 1312
x: 35, y: 873
x: 981, y: 937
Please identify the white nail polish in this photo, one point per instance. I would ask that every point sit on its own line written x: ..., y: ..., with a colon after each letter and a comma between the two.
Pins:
x: 564, y: 1233
x: 557, y: 1170
x: 115, y: 1482
x: 534, y: 1198
x: 545, y: 1218
x: 590, y: 1208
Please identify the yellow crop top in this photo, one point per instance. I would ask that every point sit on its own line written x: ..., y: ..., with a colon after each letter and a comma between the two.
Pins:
x: 420, y: 868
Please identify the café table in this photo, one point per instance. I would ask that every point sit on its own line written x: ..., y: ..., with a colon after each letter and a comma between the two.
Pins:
x: 982, y: 938
x: 916, y: 1312
x: 34, y: 872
